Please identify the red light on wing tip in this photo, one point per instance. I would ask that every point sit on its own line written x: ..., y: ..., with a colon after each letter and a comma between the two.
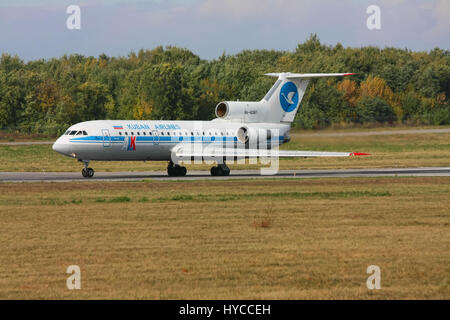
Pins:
x: 349, y: 74
x: 360, y: 154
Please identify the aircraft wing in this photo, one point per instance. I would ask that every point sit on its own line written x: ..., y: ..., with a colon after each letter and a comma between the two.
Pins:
x: 189, y: 151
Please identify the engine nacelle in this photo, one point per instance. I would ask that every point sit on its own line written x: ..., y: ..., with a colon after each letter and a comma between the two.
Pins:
x: 240, y: 111
x: 253, y: 136
x: 230, y: 110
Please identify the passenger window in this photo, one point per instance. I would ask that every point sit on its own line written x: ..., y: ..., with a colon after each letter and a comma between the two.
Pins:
x: 120, y: 133
x: 192, y: 133
x: 168, y: 133
x: 138, y: 133
x: 150, y: 133
x: 144, y: 133
x: 132, y: 133
x: 162, y: 133
x: 126, y: 133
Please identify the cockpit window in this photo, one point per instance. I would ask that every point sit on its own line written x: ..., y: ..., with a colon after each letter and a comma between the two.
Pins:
x: 79, y: 133
x: 84, y: 133
x: 67, y: 132
x: 73, y: 133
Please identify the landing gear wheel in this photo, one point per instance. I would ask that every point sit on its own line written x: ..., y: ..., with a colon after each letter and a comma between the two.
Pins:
x: 220, y: 170
x: 90, y: 172
x: 176, y: 171
x: 183, y: 171
x: 84, y: 173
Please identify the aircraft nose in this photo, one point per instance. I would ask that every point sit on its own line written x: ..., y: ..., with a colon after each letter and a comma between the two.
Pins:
x: 60, y: 147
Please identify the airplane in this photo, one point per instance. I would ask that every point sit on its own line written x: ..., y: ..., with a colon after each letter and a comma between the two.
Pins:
x: 242, y: 130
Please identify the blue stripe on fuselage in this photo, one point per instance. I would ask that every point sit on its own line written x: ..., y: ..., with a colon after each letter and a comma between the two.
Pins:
x: 172, y: 139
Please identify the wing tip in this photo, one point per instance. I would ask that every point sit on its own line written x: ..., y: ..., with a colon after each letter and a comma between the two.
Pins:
x: 349, y: 74
x: 359, y: 154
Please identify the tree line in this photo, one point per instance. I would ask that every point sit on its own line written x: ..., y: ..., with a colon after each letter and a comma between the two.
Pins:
x: 391, y: 86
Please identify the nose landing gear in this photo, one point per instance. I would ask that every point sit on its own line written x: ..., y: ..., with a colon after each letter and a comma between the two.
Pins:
x: 87, y: 172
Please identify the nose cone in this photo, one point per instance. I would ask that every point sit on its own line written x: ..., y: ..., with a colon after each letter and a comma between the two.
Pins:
x: 61, y: 147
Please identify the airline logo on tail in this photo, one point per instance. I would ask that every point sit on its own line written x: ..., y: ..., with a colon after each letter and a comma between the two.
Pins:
x: 289, y: 97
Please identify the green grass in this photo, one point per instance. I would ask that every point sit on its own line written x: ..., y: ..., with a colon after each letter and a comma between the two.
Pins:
x: 275, y: 195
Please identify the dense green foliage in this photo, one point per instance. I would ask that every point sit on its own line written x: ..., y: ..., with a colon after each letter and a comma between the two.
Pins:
x: 391, y: 85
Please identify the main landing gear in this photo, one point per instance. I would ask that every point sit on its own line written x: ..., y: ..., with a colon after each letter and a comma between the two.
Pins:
x: 87, y: 172
x: 220, y: 170
x: 176, y: 170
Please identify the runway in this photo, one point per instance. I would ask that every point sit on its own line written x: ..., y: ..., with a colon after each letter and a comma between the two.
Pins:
x: 236, y: 174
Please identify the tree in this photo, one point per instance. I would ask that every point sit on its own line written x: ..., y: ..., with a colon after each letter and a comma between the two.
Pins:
x: 374, y: 110
x: 165, y: 87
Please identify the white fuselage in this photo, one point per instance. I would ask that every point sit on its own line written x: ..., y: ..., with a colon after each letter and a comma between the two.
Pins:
x: 125, y: 140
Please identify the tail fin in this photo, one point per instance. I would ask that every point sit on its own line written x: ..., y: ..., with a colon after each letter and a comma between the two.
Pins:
x: 284, y: 98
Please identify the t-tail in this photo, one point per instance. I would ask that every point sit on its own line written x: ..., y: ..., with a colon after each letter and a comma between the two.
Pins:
x: 279, y: 105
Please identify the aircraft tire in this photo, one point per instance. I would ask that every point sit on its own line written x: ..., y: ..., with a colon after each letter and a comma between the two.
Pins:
x: 90, y: 172
x: 84, y: 173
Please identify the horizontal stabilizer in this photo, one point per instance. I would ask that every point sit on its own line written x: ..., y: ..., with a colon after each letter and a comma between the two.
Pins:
x: 289, y: 75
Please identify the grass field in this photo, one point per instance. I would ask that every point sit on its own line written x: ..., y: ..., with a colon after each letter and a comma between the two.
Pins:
x: 412, y: 150
x: 270, y: 239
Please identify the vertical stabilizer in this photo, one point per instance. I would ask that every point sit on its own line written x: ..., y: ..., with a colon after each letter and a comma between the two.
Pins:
x: 283, y: 99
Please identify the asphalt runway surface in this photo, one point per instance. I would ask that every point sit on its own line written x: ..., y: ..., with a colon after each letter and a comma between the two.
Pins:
x: 235, y: 174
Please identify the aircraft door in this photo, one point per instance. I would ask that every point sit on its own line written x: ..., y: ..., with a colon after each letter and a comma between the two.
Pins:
x: 155, y: 134
x: 106, y: 138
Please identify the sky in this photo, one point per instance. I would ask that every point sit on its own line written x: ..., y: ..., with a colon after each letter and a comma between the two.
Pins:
x: 35, y: 29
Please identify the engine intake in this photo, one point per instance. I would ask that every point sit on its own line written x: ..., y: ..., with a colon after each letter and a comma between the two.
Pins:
x: 222, y: 110
x: 254, y: 136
